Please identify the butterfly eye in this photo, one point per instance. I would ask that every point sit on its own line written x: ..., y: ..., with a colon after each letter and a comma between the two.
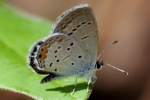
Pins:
x: 72, y: 63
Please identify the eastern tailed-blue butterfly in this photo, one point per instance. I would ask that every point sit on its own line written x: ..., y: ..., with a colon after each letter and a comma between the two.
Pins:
x: 71, y: 49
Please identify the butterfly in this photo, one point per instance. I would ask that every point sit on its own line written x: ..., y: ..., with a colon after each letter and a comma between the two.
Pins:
x: 71, y: 49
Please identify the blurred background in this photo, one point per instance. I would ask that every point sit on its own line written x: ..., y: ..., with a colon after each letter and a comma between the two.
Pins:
x: 127, y: 22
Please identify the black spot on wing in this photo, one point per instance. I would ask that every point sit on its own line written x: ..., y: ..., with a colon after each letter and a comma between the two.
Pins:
x: 79, y: 56
x: 31, y: 59
x: 50, y: 65
x: 71, y: 44
x: 69, y: 21
x: 68, y: 49
x: 31, y: 63
x: 55, y: 51
x: 34, y: 49
x: 78, y: 26
x: 69, y: 33
x: 57, y: 60
x: 89, y: 23
x: 40, y: 56
x: 55, y: 69
x: 40, y: 43
x: 74, y: 29
x: 83, y: 23
x: 84, y: 37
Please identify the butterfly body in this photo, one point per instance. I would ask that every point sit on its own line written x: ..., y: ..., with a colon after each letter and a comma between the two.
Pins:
x: 71, y: 49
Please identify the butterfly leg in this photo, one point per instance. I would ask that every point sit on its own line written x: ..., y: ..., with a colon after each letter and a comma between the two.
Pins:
x: 89, y: 83
x: 91, y: 79
x: 49, y: 77
x: 75, y: 85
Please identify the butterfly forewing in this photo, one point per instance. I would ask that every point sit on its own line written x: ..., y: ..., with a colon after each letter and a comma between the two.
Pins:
x: 79, y: 23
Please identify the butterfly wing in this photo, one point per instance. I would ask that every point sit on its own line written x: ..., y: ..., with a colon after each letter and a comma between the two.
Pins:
x: 78, y: 23
x: 72, y: 49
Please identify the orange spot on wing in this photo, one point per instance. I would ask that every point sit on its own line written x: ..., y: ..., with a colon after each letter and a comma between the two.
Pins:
x: 44, y: 52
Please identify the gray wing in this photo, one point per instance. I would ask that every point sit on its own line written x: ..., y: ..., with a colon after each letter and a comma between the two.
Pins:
x: 77, y: 52
x: 79, y: 23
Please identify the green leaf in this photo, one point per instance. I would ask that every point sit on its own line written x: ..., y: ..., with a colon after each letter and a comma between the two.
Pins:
x: 18, y: 32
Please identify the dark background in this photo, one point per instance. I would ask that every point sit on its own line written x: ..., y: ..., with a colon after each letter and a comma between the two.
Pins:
x: 126, y: 21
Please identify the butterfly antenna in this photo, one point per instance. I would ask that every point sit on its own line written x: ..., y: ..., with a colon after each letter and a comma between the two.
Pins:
x: 121, y: 70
